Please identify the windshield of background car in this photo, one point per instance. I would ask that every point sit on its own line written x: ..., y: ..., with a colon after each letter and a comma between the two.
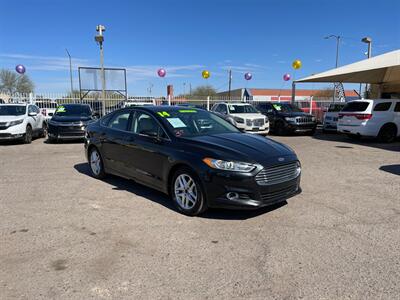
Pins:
x: 12, y: 110
x: 195, y: 122
x: 242, y: 109
x: 73, y: 110
x: 286, y: 108
x: 335, y: 108
x: 356, y: 106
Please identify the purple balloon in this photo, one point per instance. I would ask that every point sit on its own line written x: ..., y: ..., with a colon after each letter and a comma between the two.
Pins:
x: 161, y: 72
x: 248, y: 76
x: 20, y: 69
x: 286, y: 77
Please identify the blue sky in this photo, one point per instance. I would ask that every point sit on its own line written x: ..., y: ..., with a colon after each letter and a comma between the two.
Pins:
x: 186, y: 37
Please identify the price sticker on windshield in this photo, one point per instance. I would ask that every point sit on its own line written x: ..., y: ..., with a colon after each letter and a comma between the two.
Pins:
x: 176, y: 122
x: 61, y: 109
x: 277, y: 106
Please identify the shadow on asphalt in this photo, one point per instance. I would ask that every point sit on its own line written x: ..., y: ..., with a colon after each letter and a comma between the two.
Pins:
x: 78, y: 141
x: 393, y: 169
x: 367, y: 142
x: 122, y: 184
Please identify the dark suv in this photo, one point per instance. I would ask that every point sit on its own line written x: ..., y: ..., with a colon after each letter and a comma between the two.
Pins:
x: 287, y: 118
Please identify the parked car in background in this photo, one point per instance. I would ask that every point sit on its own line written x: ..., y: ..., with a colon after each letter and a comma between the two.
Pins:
x: 21, y: 122
x: 371, y: 118
x: 331, y: 117
x: 243, y: 115
x: 137, y: 103
x: 47, y: 108
x: 69, y: 122
x: 287, y: 118
x: 195, y: 156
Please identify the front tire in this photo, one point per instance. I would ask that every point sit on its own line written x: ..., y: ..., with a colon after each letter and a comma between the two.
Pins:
x: 280, y: 128
x: 187, y: 193
x: 44, y: 130
x: 28, y: 135
x: 96, y: 164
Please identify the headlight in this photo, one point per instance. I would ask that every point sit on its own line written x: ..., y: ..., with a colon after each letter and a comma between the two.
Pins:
x: 313, y: 118
x: 290, y: 119
x: 298, y: 170
x: 238, y: 120
x: 235, y: 166
x: 16, y: 122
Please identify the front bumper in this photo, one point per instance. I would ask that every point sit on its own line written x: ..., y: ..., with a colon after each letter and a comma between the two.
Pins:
x: 253, y: 129
x: 298, y: 128
x: 10, y: 136
x: 66, y: 132
x: 251, y: 195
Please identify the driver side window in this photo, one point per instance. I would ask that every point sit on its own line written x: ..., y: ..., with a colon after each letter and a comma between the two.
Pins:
x: 119, y: 121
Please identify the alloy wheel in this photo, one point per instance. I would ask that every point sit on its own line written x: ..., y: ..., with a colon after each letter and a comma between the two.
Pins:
x: 185, y: 191
x: 95, y: 162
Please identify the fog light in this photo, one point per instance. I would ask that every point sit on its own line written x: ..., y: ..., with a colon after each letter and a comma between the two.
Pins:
x: 232, y: 196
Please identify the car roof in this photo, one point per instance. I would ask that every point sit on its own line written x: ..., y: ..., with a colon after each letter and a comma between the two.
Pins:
x: 234, y: 103
x: 158, y: 108
x: 14, y: 104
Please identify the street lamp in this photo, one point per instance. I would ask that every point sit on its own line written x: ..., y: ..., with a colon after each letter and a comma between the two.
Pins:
x: 100, y: 39
x: 337, y: 37
x: 70, y: 71
x: 368, y: 41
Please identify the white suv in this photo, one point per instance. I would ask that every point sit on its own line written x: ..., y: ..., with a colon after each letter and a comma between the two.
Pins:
x: 374, y: 118
x: 21, y: 121
x: 243, y: 116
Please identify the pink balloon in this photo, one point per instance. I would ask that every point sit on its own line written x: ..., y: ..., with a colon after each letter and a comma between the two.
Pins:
x: 286, y: 77
x: 161, y: 72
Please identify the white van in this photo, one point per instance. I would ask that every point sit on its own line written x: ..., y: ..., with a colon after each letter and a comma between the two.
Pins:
x: 373, y: 118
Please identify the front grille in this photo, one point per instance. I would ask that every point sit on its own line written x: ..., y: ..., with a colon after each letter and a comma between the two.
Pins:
x: 3, y: 125
x: 280, y: 194
x: 278, y: 174
x: 304, y: 120
x: 5, y: 135
x: 258, y: 122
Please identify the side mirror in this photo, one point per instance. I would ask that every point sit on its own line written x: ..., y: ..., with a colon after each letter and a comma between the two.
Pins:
x: 32, y: 114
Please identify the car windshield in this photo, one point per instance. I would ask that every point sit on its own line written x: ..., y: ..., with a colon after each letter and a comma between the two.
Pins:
x: 335, y: 107
x: 73, y: 110
x: 356, y: 106
x: 195, y: 122
x: 286, y: 107
x: 12, y: 110
x: 241, y: 109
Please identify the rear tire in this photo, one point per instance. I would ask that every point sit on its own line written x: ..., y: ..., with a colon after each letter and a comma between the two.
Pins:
x: 28, y: 135
x: 388, y: 133
x: 44, y: 130
x: 187, y: 193
x: 96, y: 164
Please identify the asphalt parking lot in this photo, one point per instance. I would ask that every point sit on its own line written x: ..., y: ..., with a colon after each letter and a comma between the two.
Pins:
x: 66, y: 235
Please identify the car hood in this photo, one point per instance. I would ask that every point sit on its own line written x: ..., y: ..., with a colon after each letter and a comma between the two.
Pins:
x: 248, y: 116
x: 68, y: 119
x: 243, y: 147
x: 11, y: 118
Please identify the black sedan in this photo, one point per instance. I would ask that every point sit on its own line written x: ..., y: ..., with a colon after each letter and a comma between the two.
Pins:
x: 69, y: 122
x: 196, y: 157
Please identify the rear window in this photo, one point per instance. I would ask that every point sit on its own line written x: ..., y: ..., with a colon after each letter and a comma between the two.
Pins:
x: 397, y: 107
x: 384, y: 106
x: 356, y: 106
x: 335, y: 107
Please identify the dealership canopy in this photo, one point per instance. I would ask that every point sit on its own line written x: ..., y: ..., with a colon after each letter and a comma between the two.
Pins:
x: 382, y: 69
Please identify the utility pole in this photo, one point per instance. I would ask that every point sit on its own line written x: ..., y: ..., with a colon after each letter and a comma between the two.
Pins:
x: 337, y: 37
x: 184, y: 88
x: 230, y: 84
x: 70, y: 72
x: 190, y: 89
x: 368, y: 41
x: 100, y: 39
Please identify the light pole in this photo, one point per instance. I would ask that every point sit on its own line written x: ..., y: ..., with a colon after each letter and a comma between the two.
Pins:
x: 368, y: 41
x: 70, y: 72
x: 337, y: 37
x: 100, y: 39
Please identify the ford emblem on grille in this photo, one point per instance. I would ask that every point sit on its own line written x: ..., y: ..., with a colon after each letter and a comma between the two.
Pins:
x: 281, y: 159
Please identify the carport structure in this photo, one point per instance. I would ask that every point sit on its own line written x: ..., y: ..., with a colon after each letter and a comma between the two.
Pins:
x: 382, y: 70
